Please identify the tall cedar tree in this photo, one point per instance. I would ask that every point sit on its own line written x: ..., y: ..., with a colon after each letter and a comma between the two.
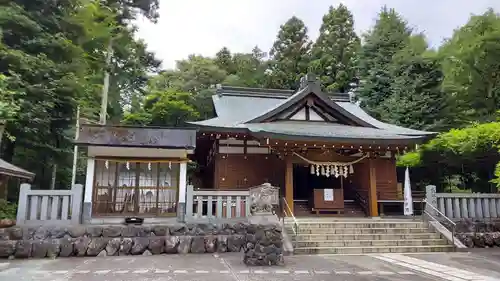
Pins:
x: 471, y: 63
x: 289, y: 55
x: 335, y: 50
x: 389, y: 35
x: 416, y: 99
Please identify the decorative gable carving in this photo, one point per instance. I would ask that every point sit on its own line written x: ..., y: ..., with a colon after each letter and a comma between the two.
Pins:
x: 307, y: 110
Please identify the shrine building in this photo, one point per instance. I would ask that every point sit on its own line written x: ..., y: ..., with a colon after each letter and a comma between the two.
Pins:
x: 325, y: 152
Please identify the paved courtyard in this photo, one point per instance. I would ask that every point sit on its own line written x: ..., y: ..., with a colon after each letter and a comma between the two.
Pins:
x: 225, y: 267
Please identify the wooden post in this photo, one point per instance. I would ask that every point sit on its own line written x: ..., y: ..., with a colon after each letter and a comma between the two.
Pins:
x: 289, y: 182
x: 372, y: 192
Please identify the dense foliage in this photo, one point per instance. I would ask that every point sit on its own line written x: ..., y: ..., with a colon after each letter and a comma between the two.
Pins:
x: 53, y: 61
x: 471, y: 152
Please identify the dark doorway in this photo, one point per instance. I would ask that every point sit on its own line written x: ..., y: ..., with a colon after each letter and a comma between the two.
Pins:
x: 304, y: 182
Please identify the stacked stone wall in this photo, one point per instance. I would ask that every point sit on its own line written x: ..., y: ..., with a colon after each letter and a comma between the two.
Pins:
x: 262, y: 244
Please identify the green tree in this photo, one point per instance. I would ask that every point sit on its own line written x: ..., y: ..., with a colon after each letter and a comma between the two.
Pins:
x: 224, y: 60
x: 334, y: 52
x: 289, y: 55
x: 416, y: 99
x: 167, y: 108
x: 470, y: 153
x: 471, y: 63
x: 389, y: 35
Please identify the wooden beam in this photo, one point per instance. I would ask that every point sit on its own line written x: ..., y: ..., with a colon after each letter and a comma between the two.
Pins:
x: 372, y: 192
x: 289, y: 183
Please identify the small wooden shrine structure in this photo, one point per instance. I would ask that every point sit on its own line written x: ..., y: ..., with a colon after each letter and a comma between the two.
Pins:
x: 135, y: 171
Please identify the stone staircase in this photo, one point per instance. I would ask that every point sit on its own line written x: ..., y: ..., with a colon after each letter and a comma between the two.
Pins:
x: 363, y: 235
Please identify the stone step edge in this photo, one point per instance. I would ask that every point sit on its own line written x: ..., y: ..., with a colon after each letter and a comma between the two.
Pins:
x: 365, y: 234
x: 352, y: 222
x: 374, y: 247
x: 364, y: 228
x: 328, y: 241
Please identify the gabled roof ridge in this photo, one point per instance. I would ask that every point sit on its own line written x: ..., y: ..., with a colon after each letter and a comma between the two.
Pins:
x: 309, y: 87
x: 223, y: 90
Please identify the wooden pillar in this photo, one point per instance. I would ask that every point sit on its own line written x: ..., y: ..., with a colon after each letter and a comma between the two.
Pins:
x: 289, y: 182
x: 372, y: 192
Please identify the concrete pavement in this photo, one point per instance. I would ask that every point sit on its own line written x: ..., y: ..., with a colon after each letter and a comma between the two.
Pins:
x: 225, y: 267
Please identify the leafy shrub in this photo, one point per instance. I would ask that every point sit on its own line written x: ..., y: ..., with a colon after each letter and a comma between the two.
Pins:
x: 7, y: 210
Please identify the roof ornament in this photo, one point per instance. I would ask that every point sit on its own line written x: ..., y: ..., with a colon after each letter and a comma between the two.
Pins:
x: 309, y: 80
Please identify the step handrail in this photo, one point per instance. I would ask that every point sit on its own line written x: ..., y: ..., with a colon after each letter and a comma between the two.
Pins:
x: 295, y: 227
x: 453, y: 224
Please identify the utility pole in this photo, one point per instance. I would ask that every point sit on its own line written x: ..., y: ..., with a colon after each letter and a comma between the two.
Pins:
x: 105, y: 88
x: 75, y: 150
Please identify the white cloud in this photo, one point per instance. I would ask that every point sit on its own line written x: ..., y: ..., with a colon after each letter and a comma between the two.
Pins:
x: 203, y: 27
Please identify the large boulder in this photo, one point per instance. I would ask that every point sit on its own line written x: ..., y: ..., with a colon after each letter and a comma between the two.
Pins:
x: 171, y: 244
x: 53, y: 248
x: 156, y: 245
x: 15, y: 233
x: 160, y: 230
x: 211, y: 243
x: 113, y: 246
x: 7, y: 248
x: 94, y: 230
x: 97, y: 245
x: 81, y: 245
x: 112, y: 231
x: 125, y: 247
x: 184, y: 244
x: 23, y: 248
x: 67, y: 247
x: 222, y: 243
x: 198, y: 245
x: 140, y: 244
x: 40, y: 248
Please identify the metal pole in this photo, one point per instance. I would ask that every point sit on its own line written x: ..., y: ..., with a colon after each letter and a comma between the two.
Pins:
x: 105, y: 88
x: 75, y: 150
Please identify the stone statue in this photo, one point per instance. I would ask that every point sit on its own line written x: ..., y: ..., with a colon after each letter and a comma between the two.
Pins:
x: 263, y: 197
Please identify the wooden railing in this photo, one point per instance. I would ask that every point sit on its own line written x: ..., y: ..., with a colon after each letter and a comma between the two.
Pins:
x: 209, y: 203
x: 49, y: 206
x: 361, y: 197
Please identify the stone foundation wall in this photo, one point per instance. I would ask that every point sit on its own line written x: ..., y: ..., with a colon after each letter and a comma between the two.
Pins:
x: 265, y: 242
x: 477, y: 234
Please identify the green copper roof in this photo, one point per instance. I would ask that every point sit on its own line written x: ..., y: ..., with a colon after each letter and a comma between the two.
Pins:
x: 246, y: 108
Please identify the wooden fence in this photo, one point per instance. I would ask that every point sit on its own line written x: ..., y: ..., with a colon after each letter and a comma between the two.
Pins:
x: 465, y: 205
x: 49, y: 206
x: 217, y: 203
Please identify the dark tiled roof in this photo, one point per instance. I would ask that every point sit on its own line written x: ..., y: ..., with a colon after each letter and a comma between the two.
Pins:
x: 13, y: 171
x: 240, y: 108
x: 127, y: 136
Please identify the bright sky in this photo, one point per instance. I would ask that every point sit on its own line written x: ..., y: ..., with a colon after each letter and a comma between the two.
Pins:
x: 204, y: 27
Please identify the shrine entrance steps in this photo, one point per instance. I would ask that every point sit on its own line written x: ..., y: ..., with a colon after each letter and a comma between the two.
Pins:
x: 363, y: 235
